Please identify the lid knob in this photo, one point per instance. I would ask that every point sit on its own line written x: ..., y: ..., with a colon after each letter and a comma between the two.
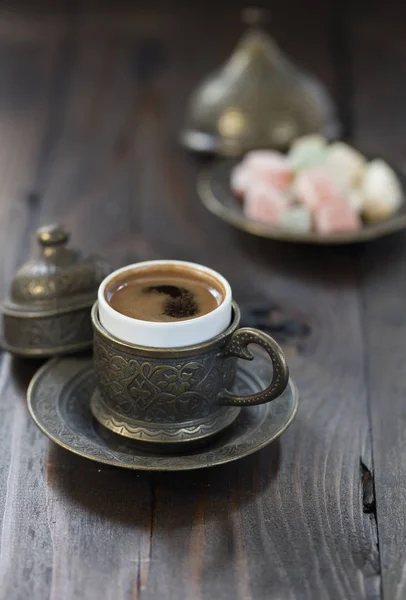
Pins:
x: 255, y: 17
x: 52, y: 235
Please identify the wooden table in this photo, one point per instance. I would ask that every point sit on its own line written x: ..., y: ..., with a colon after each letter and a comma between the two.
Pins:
x: 92, y: 97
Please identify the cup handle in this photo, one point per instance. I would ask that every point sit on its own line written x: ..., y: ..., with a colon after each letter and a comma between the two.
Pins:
x: 238, y: 346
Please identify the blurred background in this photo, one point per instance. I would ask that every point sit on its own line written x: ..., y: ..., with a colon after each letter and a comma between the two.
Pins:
x: 93, y: 97
x: 356, y: 48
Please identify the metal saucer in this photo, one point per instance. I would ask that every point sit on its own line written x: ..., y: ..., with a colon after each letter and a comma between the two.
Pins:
x: 215, y: 192
x: 59, y: 402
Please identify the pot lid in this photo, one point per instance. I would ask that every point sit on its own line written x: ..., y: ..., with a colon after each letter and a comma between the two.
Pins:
x: 60, y: 278
x: 257, y: 99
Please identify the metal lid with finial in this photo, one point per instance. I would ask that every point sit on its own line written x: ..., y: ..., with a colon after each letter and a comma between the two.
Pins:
x: 257, y: 99
x: 48, y: 308
x: 60, y: 277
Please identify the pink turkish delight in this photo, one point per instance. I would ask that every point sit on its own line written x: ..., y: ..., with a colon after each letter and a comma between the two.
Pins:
x: 265, y: 203
x: 270, y: 167
x: 335, y: 217
x: 316, y: 187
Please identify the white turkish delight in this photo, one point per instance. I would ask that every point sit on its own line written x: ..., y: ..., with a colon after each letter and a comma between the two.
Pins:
x: 382, y: 191
x: 240, y: 179
x: 355, y: 198
x: 345, y: 164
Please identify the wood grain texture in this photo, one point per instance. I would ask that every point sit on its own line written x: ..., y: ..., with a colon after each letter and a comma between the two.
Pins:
x: 380, y: 99
x: 96, y: 148
x: 27, y: 70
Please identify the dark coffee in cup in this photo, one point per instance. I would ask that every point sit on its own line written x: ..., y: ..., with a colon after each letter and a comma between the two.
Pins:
x: 164, y: 293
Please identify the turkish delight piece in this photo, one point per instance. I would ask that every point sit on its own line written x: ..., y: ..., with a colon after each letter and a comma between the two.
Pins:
x: 382, y: 191
x: 297, y: 219
x: 313, y: 140
x: 355, y: 198
x: 345, y: 164
x: 315, y: 187
x: 240, y: 179
x: 265, y: 204
x: 270, y: 167
x: 307, y: 152
x: 336, y: 217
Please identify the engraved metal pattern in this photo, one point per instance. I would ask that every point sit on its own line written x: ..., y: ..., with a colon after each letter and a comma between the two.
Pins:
x: 161, y: 390
x: 214, y: 190
x: 161, y: 398
x: 161, y: 432
x: 46, y: 336
x: 59, y: 398
x: 144, y: 392
x: 58, y: 278
x: 54, y: 283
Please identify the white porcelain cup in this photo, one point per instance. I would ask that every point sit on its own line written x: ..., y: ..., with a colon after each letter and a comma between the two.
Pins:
x: 171, y: 334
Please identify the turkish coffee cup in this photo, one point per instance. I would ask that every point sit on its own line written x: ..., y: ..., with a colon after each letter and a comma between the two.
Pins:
x: 165, y: 354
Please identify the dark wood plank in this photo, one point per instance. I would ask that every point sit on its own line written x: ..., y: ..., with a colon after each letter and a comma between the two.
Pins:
x: 28, y: 64
x: 286, y: 523
x: 380, y: 99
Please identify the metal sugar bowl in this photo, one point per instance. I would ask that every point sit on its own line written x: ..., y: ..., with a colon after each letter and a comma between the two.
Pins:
x: 257, y: 99
x: 47, y: 311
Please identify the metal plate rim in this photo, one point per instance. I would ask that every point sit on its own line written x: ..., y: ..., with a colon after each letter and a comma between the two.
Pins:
x: 236, y: 218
